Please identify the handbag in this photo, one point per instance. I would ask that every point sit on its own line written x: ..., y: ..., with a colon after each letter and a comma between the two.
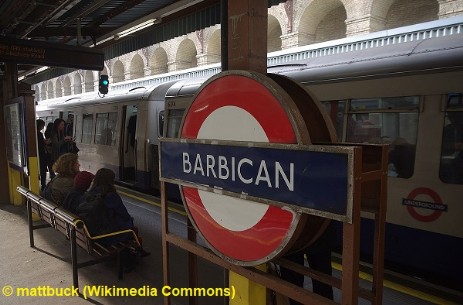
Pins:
x: 72, y: 148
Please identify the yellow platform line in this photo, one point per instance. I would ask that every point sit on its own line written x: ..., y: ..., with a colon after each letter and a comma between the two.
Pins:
x: 401, y: 288
x: 158, y: 204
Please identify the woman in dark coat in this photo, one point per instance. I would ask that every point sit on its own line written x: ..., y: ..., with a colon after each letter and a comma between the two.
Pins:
x: 59, y: 141
x: 103, y: 184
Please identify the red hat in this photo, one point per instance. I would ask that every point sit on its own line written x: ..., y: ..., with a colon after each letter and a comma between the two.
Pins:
x: 82, y: 180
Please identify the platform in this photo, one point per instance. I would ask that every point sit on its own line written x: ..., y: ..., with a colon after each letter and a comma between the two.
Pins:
x: 48, y: 265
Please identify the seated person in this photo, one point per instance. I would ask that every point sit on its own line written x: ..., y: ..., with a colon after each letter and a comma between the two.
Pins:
x: 82, y: 182
x: 66, y: 167
x: 402, y: 158
x: 103, y: 185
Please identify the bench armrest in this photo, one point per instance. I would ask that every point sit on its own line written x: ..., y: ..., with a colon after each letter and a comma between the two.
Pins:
x: 79, y: 223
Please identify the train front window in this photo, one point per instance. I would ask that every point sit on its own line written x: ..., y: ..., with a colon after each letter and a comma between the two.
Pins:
x: 392, y: 121
x: 451, y: 165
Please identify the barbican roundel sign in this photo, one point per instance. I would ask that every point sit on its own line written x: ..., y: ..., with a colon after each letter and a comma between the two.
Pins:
x: 234, y: 184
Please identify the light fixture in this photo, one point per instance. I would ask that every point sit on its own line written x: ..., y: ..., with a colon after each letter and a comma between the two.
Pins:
x: 41, y: 69
x: 136, y: 28
x: 104, y: 40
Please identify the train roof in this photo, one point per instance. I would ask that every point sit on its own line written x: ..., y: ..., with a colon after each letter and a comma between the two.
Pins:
x: 155, y: 92
x: 418, y: 56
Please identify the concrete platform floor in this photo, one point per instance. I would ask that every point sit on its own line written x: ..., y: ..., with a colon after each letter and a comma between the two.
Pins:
x: 48, y: 265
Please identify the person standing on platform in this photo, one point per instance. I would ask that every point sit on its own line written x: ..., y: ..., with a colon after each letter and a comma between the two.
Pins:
x: 42, y: 153
x: 49, y: 149
x: 319, y: 258
x: 59, y: 141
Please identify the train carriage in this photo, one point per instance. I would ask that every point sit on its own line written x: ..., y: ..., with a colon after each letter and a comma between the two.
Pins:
x: 118, y: 131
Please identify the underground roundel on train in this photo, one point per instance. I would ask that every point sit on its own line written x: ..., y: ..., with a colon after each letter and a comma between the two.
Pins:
x: 238, y: 106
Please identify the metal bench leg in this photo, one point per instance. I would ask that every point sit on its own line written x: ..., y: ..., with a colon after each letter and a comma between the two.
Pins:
x: 30, y: 221
x: 75, y: 275
x: 121, y: 259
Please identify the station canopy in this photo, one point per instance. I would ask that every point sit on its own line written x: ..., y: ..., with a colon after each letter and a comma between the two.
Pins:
x: 103, y: 24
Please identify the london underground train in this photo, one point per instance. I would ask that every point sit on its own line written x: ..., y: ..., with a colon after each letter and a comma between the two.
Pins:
x: 402, y: 90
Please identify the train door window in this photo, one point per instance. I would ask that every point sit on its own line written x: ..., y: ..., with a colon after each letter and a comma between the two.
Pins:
x: 391, y: 121
x: 451, y: 165
x: 87, y: 127
x: 105, y: 128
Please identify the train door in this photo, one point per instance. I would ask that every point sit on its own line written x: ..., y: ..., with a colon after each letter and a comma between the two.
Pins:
x: 128, y: 145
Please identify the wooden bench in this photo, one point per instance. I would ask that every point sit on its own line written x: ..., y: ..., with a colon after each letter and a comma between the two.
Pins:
x: 76, y: 232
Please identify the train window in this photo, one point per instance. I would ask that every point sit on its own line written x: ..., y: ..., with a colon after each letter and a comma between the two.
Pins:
x: 391, y: 103
x: 451, y: 165
x: 173, y: 122
x: 104, y: 132
x: 161, y: 124
x: 49, y: 119
x: 336, y: 111
x: 87, y: 126
x: 391, y: 121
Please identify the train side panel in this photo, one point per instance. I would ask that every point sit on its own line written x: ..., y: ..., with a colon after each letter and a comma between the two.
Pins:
x: 424, y: 232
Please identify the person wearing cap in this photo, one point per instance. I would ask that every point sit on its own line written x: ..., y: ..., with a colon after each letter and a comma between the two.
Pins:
x: 82, y: 181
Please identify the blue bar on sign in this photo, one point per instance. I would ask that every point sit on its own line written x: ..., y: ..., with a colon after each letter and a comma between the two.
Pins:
x: 309, y: 179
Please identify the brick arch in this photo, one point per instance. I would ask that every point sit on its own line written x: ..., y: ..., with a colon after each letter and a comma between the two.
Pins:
x: 89, y: 81
x: 43, y: 91
x: 137, y: 67
x: 213, y: 49
x: 118, y: 71
x: 274, y: 33
x: 186, y: 55
x: 50, y: 89
x: 159, y: 61
x: 58, y: 88
x: 66, y: 85
x: 399, y: 12
x: 380, y: 8
x: 322, y: 20
x: 77, y: 83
